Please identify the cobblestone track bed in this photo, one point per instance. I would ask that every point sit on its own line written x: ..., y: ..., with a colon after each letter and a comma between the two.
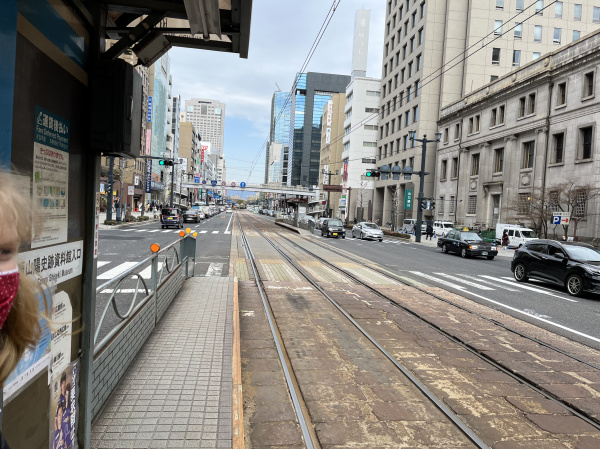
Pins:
x: 504, y: 412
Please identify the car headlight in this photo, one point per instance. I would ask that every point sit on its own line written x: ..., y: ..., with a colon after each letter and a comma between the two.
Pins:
x: 473, y: 247
x: 494, y: 248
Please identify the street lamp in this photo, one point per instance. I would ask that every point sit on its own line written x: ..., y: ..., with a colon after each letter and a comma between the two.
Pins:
x: 424, y: 141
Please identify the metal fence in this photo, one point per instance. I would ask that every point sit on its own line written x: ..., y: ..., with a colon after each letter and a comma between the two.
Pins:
x: 115, y: 348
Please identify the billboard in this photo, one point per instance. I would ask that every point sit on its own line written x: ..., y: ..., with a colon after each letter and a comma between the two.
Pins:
x: 204, y: 150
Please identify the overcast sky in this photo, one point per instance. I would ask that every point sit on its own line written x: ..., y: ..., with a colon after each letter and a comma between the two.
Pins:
x: 281, y: 36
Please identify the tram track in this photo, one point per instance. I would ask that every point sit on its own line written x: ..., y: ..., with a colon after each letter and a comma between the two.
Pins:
x: 569, y: 407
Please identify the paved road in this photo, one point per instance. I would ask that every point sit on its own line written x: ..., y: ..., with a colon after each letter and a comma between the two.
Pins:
x: 487, y: 282
x: 123, y: 247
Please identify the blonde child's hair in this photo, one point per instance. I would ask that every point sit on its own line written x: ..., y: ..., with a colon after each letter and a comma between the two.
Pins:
x: 22, y: 327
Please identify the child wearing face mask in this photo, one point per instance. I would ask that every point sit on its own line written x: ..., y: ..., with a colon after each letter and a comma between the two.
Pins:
x: 19, y: 305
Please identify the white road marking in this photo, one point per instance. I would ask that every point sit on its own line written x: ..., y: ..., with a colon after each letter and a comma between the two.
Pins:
x: 229, y: 224
x: 215, y: 232
x: 116, y: 271
x: 214, y: 269
x: 146, y: 273
x: 203, y: 232
x: 439, y: 281
x: 166, y: 231
x: 102, y: 263
x: 155, y: 230
x: 495, y: 284
x: 464, y: 281
x: 527, y: 287
x: 227, y: 232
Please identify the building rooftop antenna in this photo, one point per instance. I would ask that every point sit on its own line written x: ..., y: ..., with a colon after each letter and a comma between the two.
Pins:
x: 278, y: 88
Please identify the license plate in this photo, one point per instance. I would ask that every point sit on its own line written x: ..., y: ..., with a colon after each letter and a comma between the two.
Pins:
x: 335, y: 233
x: 484, y: 253
x: 170, y: 218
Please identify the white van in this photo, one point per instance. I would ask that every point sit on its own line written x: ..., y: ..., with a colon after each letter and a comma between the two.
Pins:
x: 442, y: 227
x: 408, y: 225
x: 517, y: 235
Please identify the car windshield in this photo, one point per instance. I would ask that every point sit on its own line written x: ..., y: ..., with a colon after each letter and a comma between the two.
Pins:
x: 528, y: 234
x: 446, y: 225
x: 170, y: 212
x: 335, y: 223
x: 370, y: 225
x: 583, y: 253
x: 470, y: 237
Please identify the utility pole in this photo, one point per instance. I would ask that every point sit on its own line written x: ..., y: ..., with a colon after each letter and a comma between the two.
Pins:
x: 329, y: 183
x: 109, y: 192
x: 172, y: 179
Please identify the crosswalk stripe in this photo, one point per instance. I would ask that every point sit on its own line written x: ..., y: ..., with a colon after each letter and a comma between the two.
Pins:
x: 464, y: 281
x: 215, y: 269
x: 227, y: 232
x: 155, y: 230
x: 127, y: 230
x: 439, y: 281
x: 116, y: 271
x: 203, y: 232
x: 146, y: 273
x: 527, y: 287
x: 167, y: 230
x: 102, y: 263
x: 141, y: 230
x: 215, y: 232
x: 494, y: 284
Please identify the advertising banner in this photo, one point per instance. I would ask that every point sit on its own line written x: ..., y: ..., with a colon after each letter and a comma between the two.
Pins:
x: 50, y: 177
x: 149, y: 114
x: 64, y: 392
x: 204, y: 150
x: 148, y: 175
x: 329, y: 112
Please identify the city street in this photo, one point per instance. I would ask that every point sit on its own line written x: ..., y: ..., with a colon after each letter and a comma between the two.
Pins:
x: 123, y: 247
x: 488, y: 282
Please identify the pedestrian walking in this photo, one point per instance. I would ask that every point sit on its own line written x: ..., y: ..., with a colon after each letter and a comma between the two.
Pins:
x: 505, y: 241
x: 429, y: 231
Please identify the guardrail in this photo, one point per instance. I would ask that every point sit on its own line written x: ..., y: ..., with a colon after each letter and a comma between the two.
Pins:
x: 115, y: 351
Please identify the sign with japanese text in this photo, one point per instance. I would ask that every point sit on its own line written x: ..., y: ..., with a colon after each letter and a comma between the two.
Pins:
x: 62, y: 317
x: 130, y: 190
x: 408, y: 199
x: 148, y: 175
x: 329, y: 112
x: 204, y: 150
x: 50, y: 178
x: 561, y: 218
x: 149, y: 114
x: 54, y: 264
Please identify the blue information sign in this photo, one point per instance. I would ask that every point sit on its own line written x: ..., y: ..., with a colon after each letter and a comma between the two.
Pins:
x: 196, y: 179
x: 149, y: 114
x: 213, y: 182
x: 242, y: 184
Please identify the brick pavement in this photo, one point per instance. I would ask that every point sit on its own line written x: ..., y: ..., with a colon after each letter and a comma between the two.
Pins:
x: 178, y: 392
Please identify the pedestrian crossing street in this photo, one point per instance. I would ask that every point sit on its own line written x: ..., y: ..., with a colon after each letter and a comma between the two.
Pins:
x: 176, y: 231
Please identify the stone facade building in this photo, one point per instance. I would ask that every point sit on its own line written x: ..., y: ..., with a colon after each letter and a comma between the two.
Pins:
x: 522, y: 141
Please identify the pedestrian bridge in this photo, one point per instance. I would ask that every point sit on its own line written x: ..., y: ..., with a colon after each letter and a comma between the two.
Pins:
x: 268, y: 188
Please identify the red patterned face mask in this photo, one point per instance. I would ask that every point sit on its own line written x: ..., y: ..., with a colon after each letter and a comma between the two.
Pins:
x: 9, y: 284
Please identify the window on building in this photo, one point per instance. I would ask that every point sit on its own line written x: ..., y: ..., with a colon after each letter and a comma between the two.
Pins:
x: 408, y: 93
x: 518, y: 30
x: 402, y: 75
x: 475, y: 164
x: 405, y: 143
x: 422, y: 9
x: 452, y: 205
x: 441, y: 206
x: 498, y: 160
x: 556, y: 36
x: 580, y: 204
x: 553, y: 206
x: 407, y: 118
x: 495, y: 56
x: 497, y: 27
x: 371, y: 127
x: 384, y: 90
x: 411, y: 161
x: 412, y: 44
x: 558, y: 10
x: 397, y: 58
x: 521, y: 111
x: 406, y: 28
x: 404, y: 52
x: 577, y: 15
x: 576, y: 35
x: 443, y: 170
x: 419, y: 62
x: 387, y: 129
x: 445, y: 135
x: 370, y: 144
x: 400, y: 12
x: 528, y: 153
x: 501, y: 115
x: 516, y: 58
x: 477, y: 123
x: 596, y: 14
x: 472, y: 205
x: 585, y: 136
x: 395, y: 81
x: 454, y: 173
x: 493, y: 78
x: 588, y: 84
x: 536, y: 55
x: 559, y: 147
x: 394, y: 21
x: 499, y: 4
x: 471, y: 123
x: 410, y: 69
x: 393, y: 127
x: 387, y: 49
x: 379, y: 153
x: 524, y: 203
x: 421, y: 35
x: 417, y: 88
x: 520, y: 5
x: 561, y: 94
x: 539, y: 6
x: 493, y: 117
x: 414, y: 19
x: 416, y: 114
x: 531, y: 104
x: 398, y: 139
x: 537, y: 33
x: 381, y: 132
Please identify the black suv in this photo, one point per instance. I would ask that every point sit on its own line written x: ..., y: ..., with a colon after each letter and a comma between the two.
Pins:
x: 333, y: 227
x: 171, y: 216
x: 573, y: 265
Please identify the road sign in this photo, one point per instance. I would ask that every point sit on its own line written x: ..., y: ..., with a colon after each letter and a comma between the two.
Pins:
x: 130, y: 190
x: 196, y: 179
x: 242, y: 184
x: 561, y: 218
x: 408, y: 196
x: 213, y: 183
x: 204, y: 181
x: 233, y: 184
x: 223, y: 183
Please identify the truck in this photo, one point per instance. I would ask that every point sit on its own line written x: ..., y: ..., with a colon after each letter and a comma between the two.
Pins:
x: 517, y: 234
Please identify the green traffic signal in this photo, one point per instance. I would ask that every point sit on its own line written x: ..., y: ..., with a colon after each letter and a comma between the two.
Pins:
x: 372, y: 173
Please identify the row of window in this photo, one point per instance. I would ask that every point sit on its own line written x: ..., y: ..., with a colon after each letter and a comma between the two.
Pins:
x: 558, y: 9
x: 398, y: 100
x: 401, y: 55
x: 390, y: 127
x: 397, y: 17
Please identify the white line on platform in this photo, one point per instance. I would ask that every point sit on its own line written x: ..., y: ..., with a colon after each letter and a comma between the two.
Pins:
x: 166, y: 231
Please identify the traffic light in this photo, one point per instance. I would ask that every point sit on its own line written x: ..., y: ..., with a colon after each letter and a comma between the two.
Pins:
x: 165, y: 162
x: 162, y: 176
x: 373, y: 174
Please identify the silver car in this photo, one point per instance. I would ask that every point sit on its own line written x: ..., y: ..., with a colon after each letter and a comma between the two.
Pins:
x: 367, y: 230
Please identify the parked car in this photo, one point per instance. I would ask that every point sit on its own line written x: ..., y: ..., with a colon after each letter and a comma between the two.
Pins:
x: 467, y: 244
x: 319, y: 222
x: 366, y: 230
x: 171, y: 216
x: 517, y: 235
x: 442, y: 227
x: 572, y: 265
x: 191, y: 215
x: 228, y: 210
x: 333, y: 227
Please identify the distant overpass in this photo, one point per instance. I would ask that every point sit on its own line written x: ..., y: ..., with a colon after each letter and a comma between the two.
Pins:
x: 268, y: 188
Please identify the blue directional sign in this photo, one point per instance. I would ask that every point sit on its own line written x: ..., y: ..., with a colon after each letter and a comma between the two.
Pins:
x: 213, y: 183
x: 556, y: 219
x: 242, y: 184
x: 196, y: 179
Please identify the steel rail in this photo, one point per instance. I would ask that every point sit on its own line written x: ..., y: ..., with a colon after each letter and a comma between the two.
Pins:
x: 416, y: 382
x: 570, y: 408
x: 292, y: 388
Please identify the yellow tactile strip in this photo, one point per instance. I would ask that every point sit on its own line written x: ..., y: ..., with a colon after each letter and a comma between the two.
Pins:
x: 241, y: 270
x: 320, y: 272
x: 277, y: 270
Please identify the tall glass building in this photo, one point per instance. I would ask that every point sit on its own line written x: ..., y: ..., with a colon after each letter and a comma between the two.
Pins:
x: 280, y: 130
x: 313, y: 91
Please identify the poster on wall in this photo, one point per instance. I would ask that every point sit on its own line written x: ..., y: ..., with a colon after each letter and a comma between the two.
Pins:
x: 50, y: 178
x: 63, y: 408
x: 54, y: 264
x: 34, y: 361
x: 62, y: 316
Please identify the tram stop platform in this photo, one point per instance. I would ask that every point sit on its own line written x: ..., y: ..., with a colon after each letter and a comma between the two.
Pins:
x: 178, y: 391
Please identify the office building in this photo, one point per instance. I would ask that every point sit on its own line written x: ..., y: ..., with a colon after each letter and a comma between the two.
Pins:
x: 208, y: 118
x: 435, y: 53
x: 313, y: 91
x: 281, y: 105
